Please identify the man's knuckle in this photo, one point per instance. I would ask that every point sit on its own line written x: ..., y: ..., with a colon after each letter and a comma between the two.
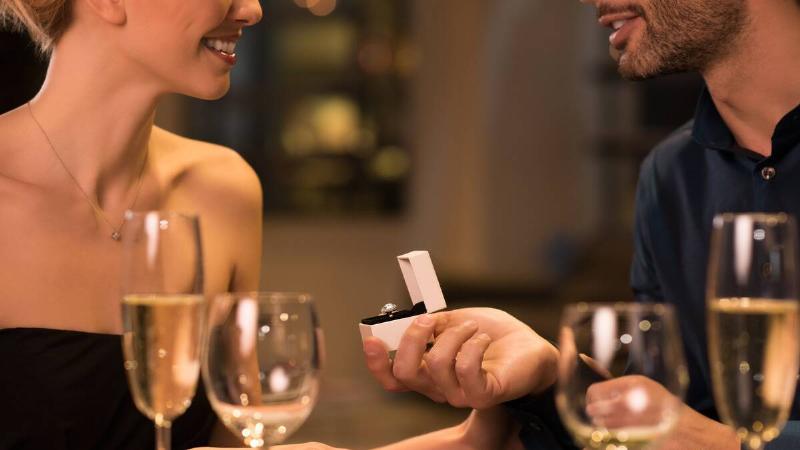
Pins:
x: 416, y: 332
x: 463, y: 367
x: 436, y: 361
x: 376, y: 366
x: 402, y: 371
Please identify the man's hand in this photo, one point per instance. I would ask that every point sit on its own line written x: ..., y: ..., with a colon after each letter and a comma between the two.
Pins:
x: 481, y: 357
x: 637, y: 401
x: 695, y: 430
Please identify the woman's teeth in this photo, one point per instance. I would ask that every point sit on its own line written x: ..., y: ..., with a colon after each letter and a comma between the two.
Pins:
x: 226, y: 47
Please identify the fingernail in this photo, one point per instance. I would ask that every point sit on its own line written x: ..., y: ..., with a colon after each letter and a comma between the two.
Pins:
x: 484, y: 337
x: 371, y: 350
x: 425, y: 320
x: 469, y: 324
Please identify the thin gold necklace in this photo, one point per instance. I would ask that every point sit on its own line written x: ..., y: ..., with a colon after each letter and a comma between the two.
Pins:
x: 116, y: 232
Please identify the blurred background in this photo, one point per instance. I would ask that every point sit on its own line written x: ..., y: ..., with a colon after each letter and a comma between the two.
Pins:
x: 494, y: 133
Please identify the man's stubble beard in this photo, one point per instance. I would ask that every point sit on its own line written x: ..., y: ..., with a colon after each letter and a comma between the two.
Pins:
x: 684, y: 36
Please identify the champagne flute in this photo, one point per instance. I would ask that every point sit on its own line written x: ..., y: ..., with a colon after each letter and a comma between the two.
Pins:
x: 261, y: 363
x: 163, y: 311
x: 621, y: 374
x: 752, y: 322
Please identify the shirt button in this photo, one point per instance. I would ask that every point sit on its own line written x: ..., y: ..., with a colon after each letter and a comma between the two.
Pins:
x: 768, y: 173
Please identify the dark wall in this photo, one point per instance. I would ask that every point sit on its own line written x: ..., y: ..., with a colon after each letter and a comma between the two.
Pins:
x: 22, y: 69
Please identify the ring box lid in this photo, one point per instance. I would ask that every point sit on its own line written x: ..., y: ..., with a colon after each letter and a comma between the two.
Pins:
x: 421, y: 281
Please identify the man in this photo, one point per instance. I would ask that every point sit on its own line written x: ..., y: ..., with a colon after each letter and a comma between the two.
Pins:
x: 740, y: 153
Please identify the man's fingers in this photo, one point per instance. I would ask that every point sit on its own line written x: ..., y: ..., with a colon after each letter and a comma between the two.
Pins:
x: 602, y: 408
x: 408, y: 367
x: 469, y: 371
x: 380, y: 365
x: 441, y: 360
x: 614, y: 414
x: 408, y: 359
x: 444, y: 320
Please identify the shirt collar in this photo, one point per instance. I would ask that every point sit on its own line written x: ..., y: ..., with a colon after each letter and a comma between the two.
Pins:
x: 710, y: 130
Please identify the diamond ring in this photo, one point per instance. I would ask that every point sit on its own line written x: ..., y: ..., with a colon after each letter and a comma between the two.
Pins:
x: 388, y: 308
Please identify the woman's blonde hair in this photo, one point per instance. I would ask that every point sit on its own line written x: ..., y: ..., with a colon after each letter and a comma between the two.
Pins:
x: 45, y: 20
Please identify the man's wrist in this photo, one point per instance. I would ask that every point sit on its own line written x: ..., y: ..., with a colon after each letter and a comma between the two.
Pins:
x: 547, y: 367
x: 706, y: 433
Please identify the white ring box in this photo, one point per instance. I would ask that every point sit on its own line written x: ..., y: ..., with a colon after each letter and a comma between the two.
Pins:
x: 426, y: 295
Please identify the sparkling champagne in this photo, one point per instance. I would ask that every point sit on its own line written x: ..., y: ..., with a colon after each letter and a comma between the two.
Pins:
x: 266, y: 423
x: 627, y: 438
x: 754, y: 363
x: 162, y: 351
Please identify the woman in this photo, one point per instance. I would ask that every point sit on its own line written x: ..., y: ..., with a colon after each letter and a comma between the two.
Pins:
x: 72, y: 160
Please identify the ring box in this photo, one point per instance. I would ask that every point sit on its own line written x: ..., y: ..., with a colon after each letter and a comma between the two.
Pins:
x: 426, y: 296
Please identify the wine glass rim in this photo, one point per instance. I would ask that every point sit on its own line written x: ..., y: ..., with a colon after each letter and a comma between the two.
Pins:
x: 271, y: 296
x: 130, y: 214
x: 779, y: 217
x: 647, y: 307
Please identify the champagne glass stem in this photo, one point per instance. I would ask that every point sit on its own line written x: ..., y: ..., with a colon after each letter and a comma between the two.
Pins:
x: 164, y: 435
x: 753, y: 443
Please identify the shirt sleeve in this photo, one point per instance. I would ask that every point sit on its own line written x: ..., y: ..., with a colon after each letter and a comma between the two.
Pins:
x: 789, y: 438
x: 643, y: 277
x: 540, y: 426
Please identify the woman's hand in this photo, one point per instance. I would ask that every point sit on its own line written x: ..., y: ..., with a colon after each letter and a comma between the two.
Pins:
x: 306, y: 446
x: 481, y: 357
x: 484, y: 429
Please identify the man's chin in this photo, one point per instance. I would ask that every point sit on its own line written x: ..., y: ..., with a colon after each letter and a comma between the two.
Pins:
x: 615, y: 53
x: 624, y: 66
x: 631, y: 68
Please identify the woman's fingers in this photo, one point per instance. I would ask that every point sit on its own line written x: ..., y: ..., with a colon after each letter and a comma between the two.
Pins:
x: 306, y: 446
x: 441, y: 360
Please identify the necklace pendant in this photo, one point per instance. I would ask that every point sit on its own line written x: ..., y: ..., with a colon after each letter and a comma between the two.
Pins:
x: 116, y: 236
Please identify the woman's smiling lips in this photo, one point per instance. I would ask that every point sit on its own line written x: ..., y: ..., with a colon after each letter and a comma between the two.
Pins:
x: 223, y: 47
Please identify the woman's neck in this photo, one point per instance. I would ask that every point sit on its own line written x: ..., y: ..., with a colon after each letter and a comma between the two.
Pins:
x: 98, y: 116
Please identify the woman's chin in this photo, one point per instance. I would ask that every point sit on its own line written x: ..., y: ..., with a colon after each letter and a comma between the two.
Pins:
x: 211, y: 91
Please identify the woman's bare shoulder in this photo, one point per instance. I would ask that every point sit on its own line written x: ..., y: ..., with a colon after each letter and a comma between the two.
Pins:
x: 212, y: 171
x: 18, y: 155
x: 14, y: 130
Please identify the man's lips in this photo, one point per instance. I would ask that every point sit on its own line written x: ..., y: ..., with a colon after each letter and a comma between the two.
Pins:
x: 622, y: 24
x: 608, y: 20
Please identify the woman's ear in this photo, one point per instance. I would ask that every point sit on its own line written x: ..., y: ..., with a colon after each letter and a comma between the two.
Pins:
x: 111, y: 11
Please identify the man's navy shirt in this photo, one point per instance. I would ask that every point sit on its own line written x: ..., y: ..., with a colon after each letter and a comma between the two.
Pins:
x: 696, y: 173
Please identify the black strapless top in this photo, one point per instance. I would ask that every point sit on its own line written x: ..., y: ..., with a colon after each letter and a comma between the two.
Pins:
x: 67, y: 390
